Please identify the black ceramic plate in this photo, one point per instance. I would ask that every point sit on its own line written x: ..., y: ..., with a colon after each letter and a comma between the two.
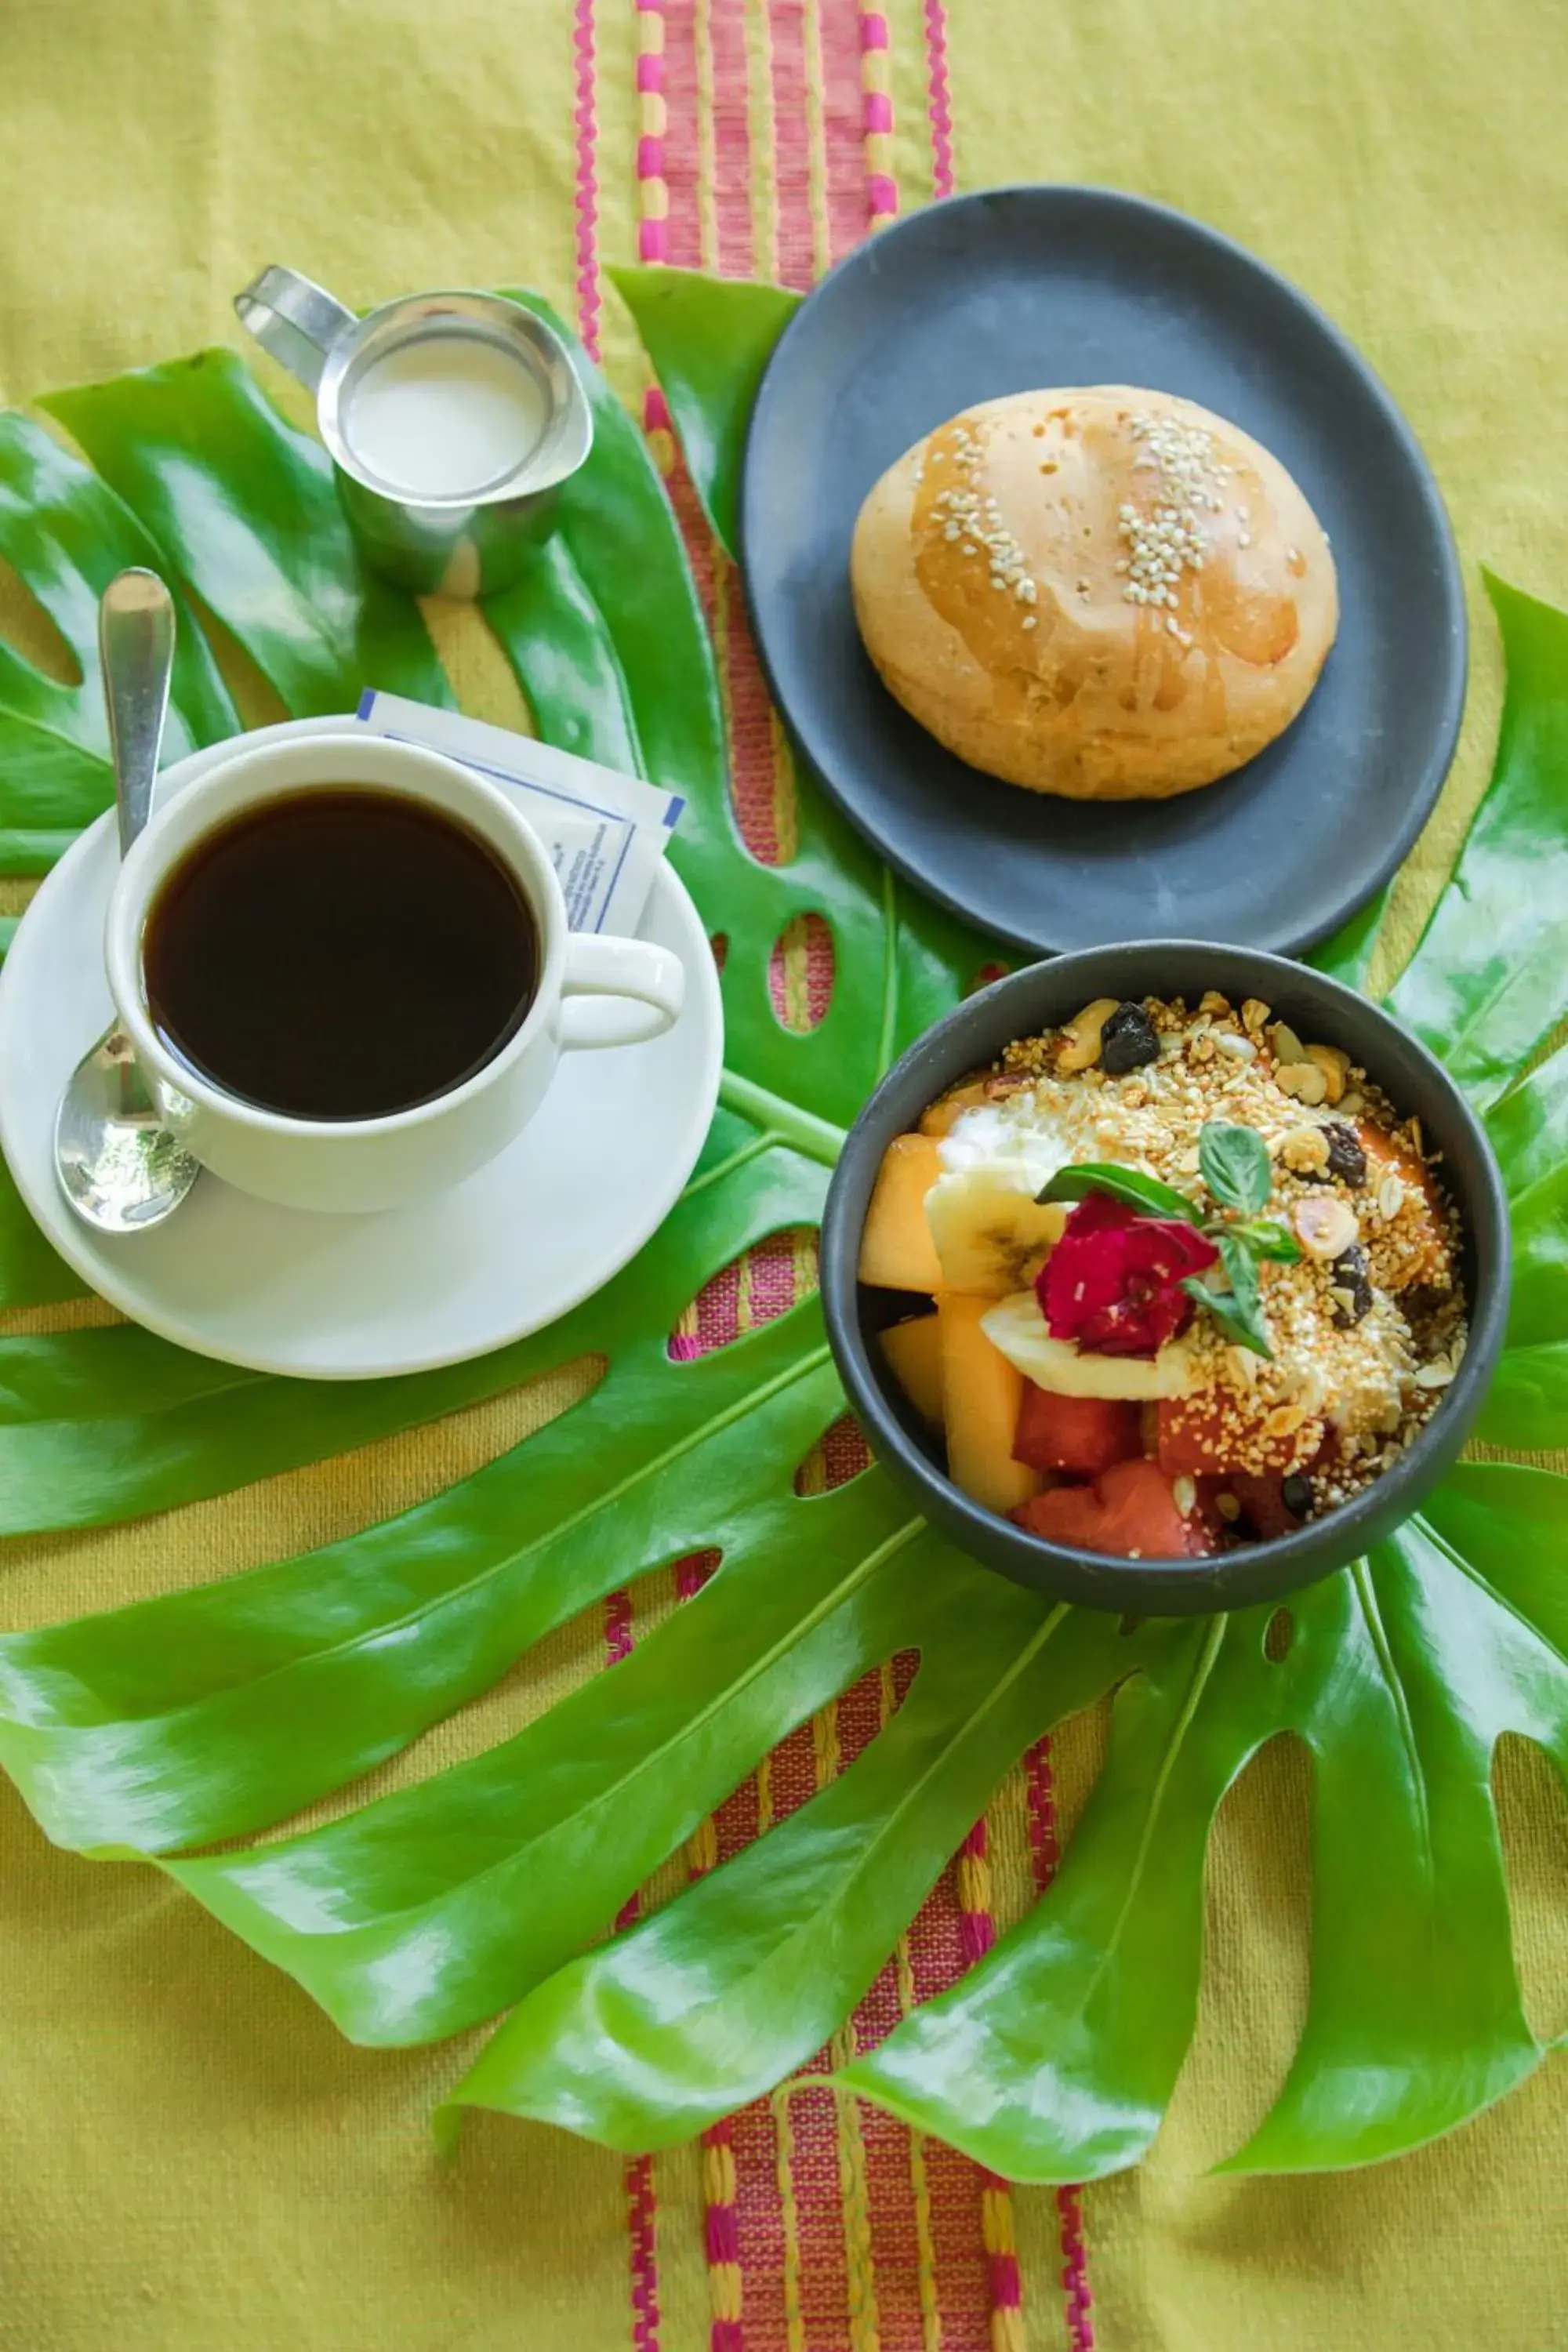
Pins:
x: 1017, y: 287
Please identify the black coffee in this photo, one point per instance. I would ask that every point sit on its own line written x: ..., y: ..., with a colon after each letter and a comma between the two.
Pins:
x: 338, y: 955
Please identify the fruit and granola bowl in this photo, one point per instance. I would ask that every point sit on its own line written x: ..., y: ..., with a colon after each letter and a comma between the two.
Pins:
x: 1168, y: 1276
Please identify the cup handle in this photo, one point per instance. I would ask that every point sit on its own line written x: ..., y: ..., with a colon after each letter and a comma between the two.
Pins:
x: 619, y: 991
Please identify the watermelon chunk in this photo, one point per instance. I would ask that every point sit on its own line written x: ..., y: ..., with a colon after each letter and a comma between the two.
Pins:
x: 1129, y: 1512
x: 1262, y: 1499
x: 1080, y: 1434
x: 1203, y: 1433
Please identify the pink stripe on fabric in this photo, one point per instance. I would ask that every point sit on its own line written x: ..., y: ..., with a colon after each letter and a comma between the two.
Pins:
x: 939, y: 105
x: 1045, y: 1851
x: 1045, y: 1848
x: 650, y: 73
x: 842, y: 89
x: 881, y: 193
x: 878, y: 110
x: 653, y: 241
x: 976, y: 1928
x: 587, y: 240
x: 656, y: 416
x: 650, y: 157
x: 681, y: 151
x: 618, y: 1628
x: 792, y: 141
x: 730, y: 194
x: 641, y: 2202
x: 874, y: 33
x: 731, y: 138
x: 1075, y: 2273
x: 643, y: 2209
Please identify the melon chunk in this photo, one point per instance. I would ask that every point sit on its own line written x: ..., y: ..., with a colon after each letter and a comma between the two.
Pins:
x: 913, y: 1351
x: 981, y: 1393
x: 943, y: 1116
x: 896, y: 1252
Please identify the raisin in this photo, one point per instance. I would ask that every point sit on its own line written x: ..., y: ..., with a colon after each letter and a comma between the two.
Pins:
x: 1127, y: 1040
x: 1347, y: 1160
x: 1296, y: 1493
x: 1349, y: 1273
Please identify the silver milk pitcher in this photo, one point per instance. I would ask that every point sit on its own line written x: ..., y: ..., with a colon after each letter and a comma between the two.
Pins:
x: 452, y: 420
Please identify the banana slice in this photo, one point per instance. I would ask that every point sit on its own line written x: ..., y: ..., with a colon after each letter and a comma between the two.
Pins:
x: 991, y: 1236
x: 1018, y: 1328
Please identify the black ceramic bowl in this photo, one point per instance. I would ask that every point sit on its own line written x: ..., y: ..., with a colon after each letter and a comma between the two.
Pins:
x: 1021, y: 1006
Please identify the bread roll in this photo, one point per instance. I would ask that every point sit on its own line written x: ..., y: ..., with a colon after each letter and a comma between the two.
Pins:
x: 1107, y: 593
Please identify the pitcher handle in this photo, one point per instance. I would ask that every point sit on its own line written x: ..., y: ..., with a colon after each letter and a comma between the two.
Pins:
x: 294, y: 318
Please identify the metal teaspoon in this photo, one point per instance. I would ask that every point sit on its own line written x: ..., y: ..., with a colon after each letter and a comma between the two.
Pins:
x: 119, y: 1166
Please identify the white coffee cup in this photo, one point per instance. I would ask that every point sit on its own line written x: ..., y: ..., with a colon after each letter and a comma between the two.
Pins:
x: 591, y: 990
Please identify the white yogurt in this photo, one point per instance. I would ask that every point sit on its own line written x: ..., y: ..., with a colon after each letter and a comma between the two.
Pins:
x: 1015, y: 1141
x: 445, y: 418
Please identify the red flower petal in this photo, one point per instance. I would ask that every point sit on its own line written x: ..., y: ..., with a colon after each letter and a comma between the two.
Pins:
x: 1113, y: 1282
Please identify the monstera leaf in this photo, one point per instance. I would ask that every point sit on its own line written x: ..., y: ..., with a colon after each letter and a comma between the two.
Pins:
x: 207, y: 1716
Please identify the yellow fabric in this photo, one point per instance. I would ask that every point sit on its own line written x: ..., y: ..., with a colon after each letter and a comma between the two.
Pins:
x: 192, y: 2157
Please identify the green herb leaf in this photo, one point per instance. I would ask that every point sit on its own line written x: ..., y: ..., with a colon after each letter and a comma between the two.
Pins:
x: 1238, y: 1311
x: 1235, y: 1165
x: 1265, y: 1237
x: 1140, y: 1192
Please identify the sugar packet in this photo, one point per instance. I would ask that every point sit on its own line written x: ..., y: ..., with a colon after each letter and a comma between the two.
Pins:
x: 604, y: 832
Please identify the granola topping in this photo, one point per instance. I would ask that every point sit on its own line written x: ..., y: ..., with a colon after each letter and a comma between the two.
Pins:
x: 1367, y: 1325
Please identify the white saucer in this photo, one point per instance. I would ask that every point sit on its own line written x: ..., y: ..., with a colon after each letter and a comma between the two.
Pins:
x: 338, y: 1297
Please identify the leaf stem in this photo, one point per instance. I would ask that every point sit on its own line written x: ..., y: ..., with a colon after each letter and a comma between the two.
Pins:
x: 741, y: 1159
x: 813, y: 1137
